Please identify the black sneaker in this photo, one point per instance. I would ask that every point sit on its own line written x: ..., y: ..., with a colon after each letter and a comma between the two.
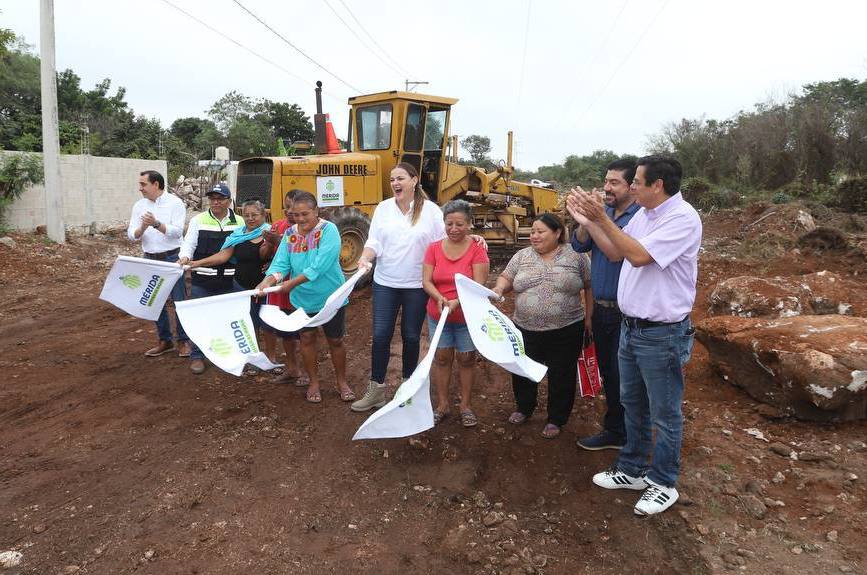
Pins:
x: 602, y: 440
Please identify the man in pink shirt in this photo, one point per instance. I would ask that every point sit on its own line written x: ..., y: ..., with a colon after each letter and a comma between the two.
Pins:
x: 656, y: 291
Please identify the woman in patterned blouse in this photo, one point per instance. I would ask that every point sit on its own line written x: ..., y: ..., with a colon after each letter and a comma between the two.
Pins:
x: 553, y: 307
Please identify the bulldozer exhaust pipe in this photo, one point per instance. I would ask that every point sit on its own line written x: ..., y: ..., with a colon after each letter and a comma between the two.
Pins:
x: 320, y: 144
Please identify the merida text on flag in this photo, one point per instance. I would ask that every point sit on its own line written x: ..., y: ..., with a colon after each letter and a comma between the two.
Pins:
x: 221, y: 326
x: 493, y: 333
x: 139, y: 286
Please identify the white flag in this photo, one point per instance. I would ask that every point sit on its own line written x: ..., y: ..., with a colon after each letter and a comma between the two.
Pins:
x: 221, y: 327
x: 410, y: 410
x: 493, y: 333
x: 140, y: 286
x: 299, y: 319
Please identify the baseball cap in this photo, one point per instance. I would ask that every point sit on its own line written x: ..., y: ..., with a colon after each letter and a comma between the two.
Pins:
x: 220, y: 189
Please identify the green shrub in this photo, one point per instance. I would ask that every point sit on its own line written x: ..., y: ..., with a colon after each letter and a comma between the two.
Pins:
x: 17, y: 171
x: 852, y: 196
x: 722, y: 198
x: 816, y: 192
x: 781, y: 198
x: 693, y: 189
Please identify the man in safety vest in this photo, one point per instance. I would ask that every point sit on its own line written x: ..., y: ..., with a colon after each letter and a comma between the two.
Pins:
x: 205, y: 235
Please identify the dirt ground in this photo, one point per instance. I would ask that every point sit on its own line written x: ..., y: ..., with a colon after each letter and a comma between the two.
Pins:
x: 116, y: 463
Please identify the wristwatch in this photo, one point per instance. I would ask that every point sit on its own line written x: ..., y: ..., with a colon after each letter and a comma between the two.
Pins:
x: 156, y: 225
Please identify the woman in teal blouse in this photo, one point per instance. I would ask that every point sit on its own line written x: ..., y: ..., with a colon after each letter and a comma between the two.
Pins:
x: 309, y: 257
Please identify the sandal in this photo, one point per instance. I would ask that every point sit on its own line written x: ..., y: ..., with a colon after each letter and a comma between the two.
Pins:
x: 285, y: 378
x: 301, y: 381
x: 314, y: 397
x: 550, y: 431
x: 347, y: 395
x: 278, y: 371
x: 517, y: 418
x: 250, y: 371
x: 439, y: 416
x: 468, y: 418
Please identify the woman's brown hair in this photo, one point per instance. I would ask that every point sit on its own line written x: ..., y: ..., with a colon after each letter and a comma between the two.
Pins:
x: 420, y: 196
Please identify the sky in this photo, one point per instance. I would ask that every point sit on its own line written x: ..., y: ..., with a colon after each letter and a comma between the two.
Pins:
x: 568, y: 77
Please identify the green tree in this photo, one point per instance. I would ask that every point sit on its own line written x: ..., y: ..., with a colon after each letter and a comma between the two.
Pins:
x: 478, y: 147
x: 229, y: 109
x: 286, y: 121
x: 247, y: 137
x: 20, y: 111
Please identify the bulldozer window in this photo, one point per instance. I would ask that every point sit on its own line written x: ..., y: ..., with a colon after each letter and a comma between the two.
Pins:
x: 434, y: 130
x: 412, y: 140
x: 374, y: 127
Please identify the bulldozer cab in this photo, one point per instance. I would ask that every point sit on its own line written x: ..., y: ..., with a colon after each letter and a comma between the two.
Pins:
x: 403, y: 127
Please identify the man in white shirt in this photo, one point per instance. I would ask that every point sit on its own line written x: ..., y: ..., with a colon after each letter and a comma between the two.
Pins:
x: 157, y: 220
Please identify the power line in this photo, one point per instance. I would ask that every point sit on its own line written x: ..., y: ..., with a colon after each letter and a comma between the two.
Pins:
x: 243, y: 47
x: 360, y: 39
x: 592, y: 61
x: 363, y: 29
x: 297, y: 49
x: 622, y: 62
x: 523, y: 64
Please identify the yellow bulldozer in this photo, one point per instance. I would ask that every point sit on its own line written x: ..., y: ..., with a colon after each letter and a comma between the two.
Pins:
x: 385, y: 129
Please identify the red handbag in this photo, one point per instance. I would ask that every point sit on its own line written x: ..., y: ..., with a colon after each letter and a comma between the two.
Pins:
x: 589, y: 378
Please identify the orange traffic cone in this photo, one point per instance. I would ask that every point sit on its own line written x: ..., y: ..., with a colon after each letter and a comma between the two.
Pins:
x: 331, y: 144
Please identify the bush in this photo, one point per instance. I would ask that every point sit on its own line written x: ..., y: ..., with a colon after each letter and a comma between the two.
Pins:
x: 814, y: 192
x: 781, y: 198
x: 693, y: 190
x: 722, y: 198
x: 704, y: 196
x: 852, y: 196
x: 17, y: 171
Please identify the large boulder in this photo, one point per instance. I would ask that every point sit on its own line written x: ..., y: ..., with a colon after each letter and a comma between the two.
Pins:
x: 813, y: 366
x: 819, y: 293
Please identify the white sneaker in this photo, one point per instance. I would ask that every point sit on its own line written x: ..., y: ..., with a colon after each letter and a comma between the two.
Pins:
x: 655, y: 499
x: 613, y: 478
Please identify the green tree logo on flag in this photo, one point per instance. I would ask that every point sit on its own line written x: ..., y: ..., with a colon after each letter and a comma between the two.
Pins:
x: 131, y: 281
x: 494, y: 330
x: 221, y: 347
x: 329, y: 186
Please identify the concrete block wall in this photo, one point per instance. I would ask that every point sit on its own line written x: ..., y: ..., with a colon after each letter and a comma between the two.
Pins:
x: 94, y: 190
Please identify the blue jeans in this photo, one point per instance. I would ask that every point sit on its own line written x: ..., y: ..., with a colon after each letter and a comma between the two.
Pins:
x: 197, y: 291
x: 179, y: 293
x: 651, y: 390
x: 387, y: 301
x: 606, y: 335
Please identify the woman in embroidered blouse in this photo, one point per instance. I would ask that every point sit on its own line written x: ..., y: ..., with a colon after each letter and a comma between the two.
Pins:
x: 309, y: 257
x: 548, y: 279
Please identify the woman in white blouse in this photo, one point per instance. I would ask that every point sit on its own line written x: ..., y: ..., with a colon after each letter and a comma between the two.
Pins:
x: 402, y: 228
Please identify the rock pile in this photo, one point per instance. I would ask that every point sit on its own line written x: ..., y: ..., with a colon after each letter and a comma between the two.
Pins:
x: 192, y: 191
x: 813, y: 367
x: 820, y: 293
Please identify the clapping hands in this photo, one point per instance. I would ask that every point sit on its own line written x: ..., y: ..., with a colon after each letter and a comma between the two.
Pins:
x: 584, y: 206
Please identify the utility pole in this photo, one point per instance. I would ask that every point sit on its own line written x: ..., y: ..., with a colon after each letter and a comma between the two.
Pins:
x: 50, y: 138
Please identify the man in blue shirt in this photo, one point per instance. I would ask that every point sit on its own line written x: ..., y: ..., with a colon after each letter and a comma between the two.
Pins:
x: 604, y: 274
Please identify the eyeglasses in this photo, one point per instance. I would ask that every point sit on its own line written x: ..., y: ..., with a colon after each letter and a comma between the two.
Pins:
x: 217, y: 198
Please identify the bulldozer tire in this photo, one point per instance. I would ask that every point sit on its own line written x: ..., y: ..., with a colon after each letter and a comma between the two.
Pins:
x: 354, y: 226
